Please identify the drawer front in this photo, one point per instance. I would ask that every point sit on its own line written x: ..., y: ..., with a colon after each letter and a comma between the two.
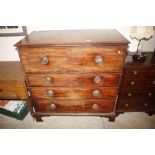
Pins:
x: 138, y: 83
x: 137, y: 93
x: 131, y: 106
x: 75, y: 106
x: 139, y: 73
x: 13, y: 91
x: 92, y: 79
x: 74, y: 93
x: 94, y: 59
x: 134, y: 83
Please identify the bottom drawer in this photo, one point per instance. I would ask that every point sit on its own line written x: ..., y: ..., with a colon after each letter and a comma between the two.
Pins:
x: 74, y: 106
x: 133, y: 106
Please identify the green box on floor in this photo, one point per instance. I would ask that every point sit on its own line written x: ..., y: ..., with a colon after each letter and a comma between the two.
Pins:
x: 14, y: 108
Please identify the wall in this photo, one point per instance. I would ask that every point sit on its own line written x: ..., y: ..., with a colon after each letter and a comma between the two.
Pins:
x: 8, y: 52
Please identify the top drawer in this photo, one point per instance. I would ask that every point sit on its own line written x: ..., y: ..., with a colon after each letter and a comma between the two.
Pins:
x: 139, y: 73
x: 81, y: 59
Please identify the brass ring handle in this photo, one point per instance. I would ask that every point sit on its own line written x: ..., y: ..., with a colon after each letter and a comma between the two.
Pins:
x: 50, y: 93
x: 99, y: 60
x: 94, y: 106
x: 44, y: 60
x: 48, y: 79
x: 52, y: 106
x: 97, y: 79
x: 96, y: 93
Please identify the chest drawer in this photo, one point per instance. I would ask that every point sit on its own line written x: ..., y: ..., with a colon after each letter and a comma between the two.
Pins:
x: 74, y: 106
x: 94, y: 59
x: 140, y: 105
x: 137, y: 94
x: 128, y: 83
x: 11, y: 90
x: 74, y: 93
x: 92, y: 79
x: 139, y: 73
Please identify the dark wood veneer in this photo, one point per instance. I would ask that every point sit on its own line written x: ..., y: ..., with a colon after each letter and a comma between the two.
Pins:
x: 139, y: 96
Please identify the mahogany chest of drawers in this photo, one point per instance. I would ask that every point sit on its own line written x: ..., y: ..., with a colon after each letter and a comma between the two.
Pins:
x: 138, y: 86
x: 12, y: 83
x: 73, y: 72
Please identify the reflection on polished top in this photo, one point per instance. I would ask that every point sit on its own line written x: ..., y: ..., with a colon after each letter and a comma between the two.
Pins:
x: 149, y: 61
x: 74, y: 37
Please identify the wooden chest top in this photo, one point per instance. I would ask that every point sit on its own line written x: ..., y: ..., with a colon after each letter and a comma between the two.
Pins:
x: 11, y: 71
x: 73, y: 38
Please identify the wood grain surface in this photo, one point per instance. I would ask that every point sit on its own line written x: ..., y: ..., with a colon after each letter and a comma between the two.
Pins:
x: 75, y: 106
x: 11, y: 71
x: 74, y: 38
x: 10, y: 90
x: 72, y: 59
x: 82, y: 80
x: 12, y: 81
x: 74, y: 92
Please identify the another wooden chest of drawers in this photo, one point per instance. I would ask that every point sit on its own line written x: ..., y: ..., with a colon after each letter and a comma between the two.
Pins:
x: 138, y: 86
x: 74, y: 72
x: 12, y: 83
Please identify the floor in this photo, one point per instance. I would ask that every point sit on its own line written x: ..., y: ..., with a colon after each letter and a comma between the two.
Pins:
x: 123, y: 121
